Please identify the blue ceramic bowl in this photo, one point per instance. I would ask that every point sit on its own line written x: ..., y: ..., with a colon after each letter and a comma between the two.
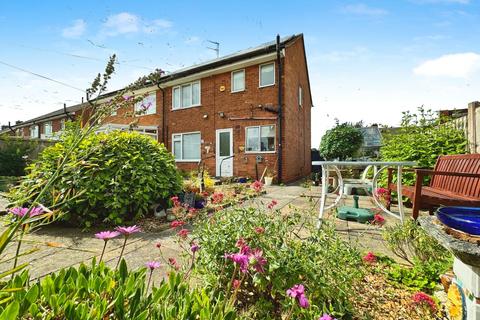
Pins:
x: 466, y: 219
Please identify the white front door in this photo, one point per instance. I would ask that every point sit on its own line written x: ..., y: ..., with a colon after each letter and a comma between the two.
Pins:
x: 224, y: 152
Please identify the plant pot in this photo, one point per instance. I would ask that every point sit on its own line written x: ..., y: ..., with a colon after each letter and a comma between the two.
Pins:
x: 268, y: 181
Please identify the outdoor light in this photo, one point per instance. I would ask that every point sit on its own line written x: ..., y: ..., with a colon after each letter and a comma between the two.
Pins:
x: 205, y: 116
x: 221, y: 114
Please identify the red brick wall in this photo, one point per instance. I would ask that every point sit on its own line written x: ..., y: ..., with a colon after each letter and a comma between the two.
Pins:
x: 297, y: 124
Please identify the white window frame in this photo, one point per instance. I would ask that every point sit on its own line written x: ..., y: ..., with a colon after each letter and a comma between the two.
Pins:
x: 300, y: 96
x: 137, y: 105
x: 62, y: 124
x: 260, y: 75
x: 181, y: 146
x: 191, y: 95
x: 47, y: 135
x: 232, y: 82
x: 260, y: 138
x: 37, y: 130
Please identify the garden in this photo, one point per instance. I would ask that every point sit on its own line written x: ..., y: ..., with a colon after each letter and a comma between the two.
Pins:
x: 237, y: 261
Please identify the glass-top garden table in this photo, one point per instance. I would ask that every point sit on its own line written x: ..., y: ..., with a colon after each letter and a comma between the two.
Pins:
x: 383, y: 165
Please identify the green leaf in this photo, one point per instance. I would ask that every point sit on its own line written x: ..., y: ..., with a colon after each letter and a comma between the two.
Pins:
x: 11, y: 311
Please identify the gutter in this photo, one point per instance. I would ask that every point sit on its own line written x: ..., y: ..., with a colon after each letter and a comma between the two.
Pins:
x: 280, y: 118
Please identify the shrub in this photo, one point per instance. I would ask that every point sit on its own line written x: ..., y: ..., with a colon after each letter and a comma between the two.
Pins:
x: 341, y: 142
x: 13, y: 155
x: 326, y: 265
x: 98, y: 292
x: 110, y: 178
x: 422, y: 138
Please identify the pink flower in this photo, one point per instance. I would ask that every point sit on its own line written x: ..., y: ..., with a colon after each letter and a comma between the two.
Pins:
x: 192, y: 211
x: 127, y: 231
x: 152, y: 265
x: 240, y: 259
x: 272, y: 204
x: 326, y: 317
x: 107, y: 235
x: 20, y: 212
x: 259, y: 230
x: 378, y: 219
x: 158, y: 245
x: 257, y: 261
x: 195, y: 247
x: 183, y: 233
x: 421, y: 298
x: 240, y: 243
x: 217, y: 197
x: 173, y: 263
x: 176, y: 201
x: 177, y: 223
x: 298, y: 292
x: 257, y: 186
x: 126, y: 98
x: 370, y: 258
x: 236, y: 283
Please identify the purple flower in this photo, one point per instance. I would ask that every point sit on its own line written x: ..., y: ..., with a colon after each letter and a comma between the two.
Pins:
x: 195, y: 248
x: 20, y: 212
x: 240, y: 259
x: 257, y: 260
x: 107, y: 235
x: 126, y: 98
x: 152, y: 265
x: 303, y: 301
x: 296, y: 291
x: 326, y: 317
x: 127, y: 231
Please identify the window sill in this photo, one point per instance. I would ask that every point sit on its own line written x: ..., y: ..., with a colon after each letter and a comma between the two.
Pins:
x: 188, y: 161
x: 179, y: 109
x: 237, y: 91
x: 261, y: 152
x: 266, y: 86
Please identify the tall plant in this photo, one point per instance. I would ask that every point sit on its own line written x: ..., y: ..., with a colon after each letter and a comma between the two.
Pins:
x: 341, y: 142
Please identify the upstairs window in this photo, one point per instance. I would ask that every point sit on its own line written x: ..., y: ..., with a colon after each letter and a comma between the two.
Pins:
x: 47, y: 129
x: 147, y: 106
x: 238, y: 80
x: 34, y: 131
x: 186, y: 95
x: 267, y: 74
x: 186, y: 146
x: 260, y: 139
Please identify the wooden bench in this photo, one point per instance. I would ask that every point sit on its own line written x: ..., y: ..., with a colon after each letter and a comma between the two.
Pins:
x: 455, y: 181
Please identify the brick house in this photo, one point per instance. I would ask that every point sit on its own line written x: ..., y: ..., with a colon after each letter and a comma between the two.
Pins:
x: 237, y: 114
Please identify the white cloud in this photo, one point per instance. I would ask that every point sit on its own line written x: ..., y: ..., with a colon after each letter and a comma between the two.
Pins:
x: 77, y: 29
x: 128, y: 23
x: 458, y: 65
x: 363, y: 9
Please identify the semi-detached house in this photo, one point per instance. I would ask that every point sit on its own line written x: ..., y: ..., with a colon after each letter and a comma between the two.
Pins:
x: 236, y: 114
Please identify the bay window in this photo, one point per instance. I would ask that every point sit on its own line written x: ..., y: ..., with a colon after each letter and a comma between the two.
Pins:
x: 186, y: 96
x: 186, y: 146
x: 47, y: 129
x: 260, y: 139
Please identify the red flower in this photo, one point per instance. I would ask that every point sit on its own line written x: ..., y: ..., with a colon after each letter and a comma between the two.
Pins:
x: 173, y: 263
x: 183, y: 233
x: 158, y: 245
x: 217, y: 197
x: 370, y: 258
x: 236, y: 283
x: 272, y: 204
x: 240, y: 243
x: 378, y: 219
x: 259, y: 230
x: 421, y: 298
x: 176, y: 201
x: 177, y: 223
x: 257, y: 186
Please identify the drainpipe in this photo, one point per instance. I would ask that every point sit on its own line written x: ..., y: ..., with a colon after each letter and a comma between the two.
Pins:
x: 10, y: 127
x: 163, y: 116
x: 280, y: 101
x: 66, y: 113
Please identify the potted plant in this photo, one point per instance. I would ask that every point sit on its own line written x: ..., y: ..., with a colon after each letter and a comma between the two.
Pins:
x: 269, y: 175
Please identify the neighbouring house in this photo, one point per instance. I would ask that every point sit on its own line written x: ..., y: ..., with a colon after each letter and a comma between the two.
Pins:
x: 237, y: 114
x: 372, y: 142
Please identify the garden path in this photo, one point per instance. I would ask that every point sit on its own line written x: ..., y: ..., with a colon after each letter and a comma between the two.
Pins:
x: 61, y: 247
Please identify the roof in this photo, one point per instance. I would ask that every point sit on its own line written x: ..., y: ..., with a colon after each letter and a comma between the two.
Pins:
x: 264, y: 48
x: 371, y: 137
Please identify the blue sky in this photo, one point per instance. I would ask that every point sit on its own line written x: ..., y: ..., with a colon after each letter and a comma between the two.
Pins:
x: 368, y: 60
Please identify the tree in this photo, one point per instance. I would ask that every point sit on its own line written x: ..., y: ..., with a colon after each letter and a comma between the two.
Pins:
x: 341, y: 142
